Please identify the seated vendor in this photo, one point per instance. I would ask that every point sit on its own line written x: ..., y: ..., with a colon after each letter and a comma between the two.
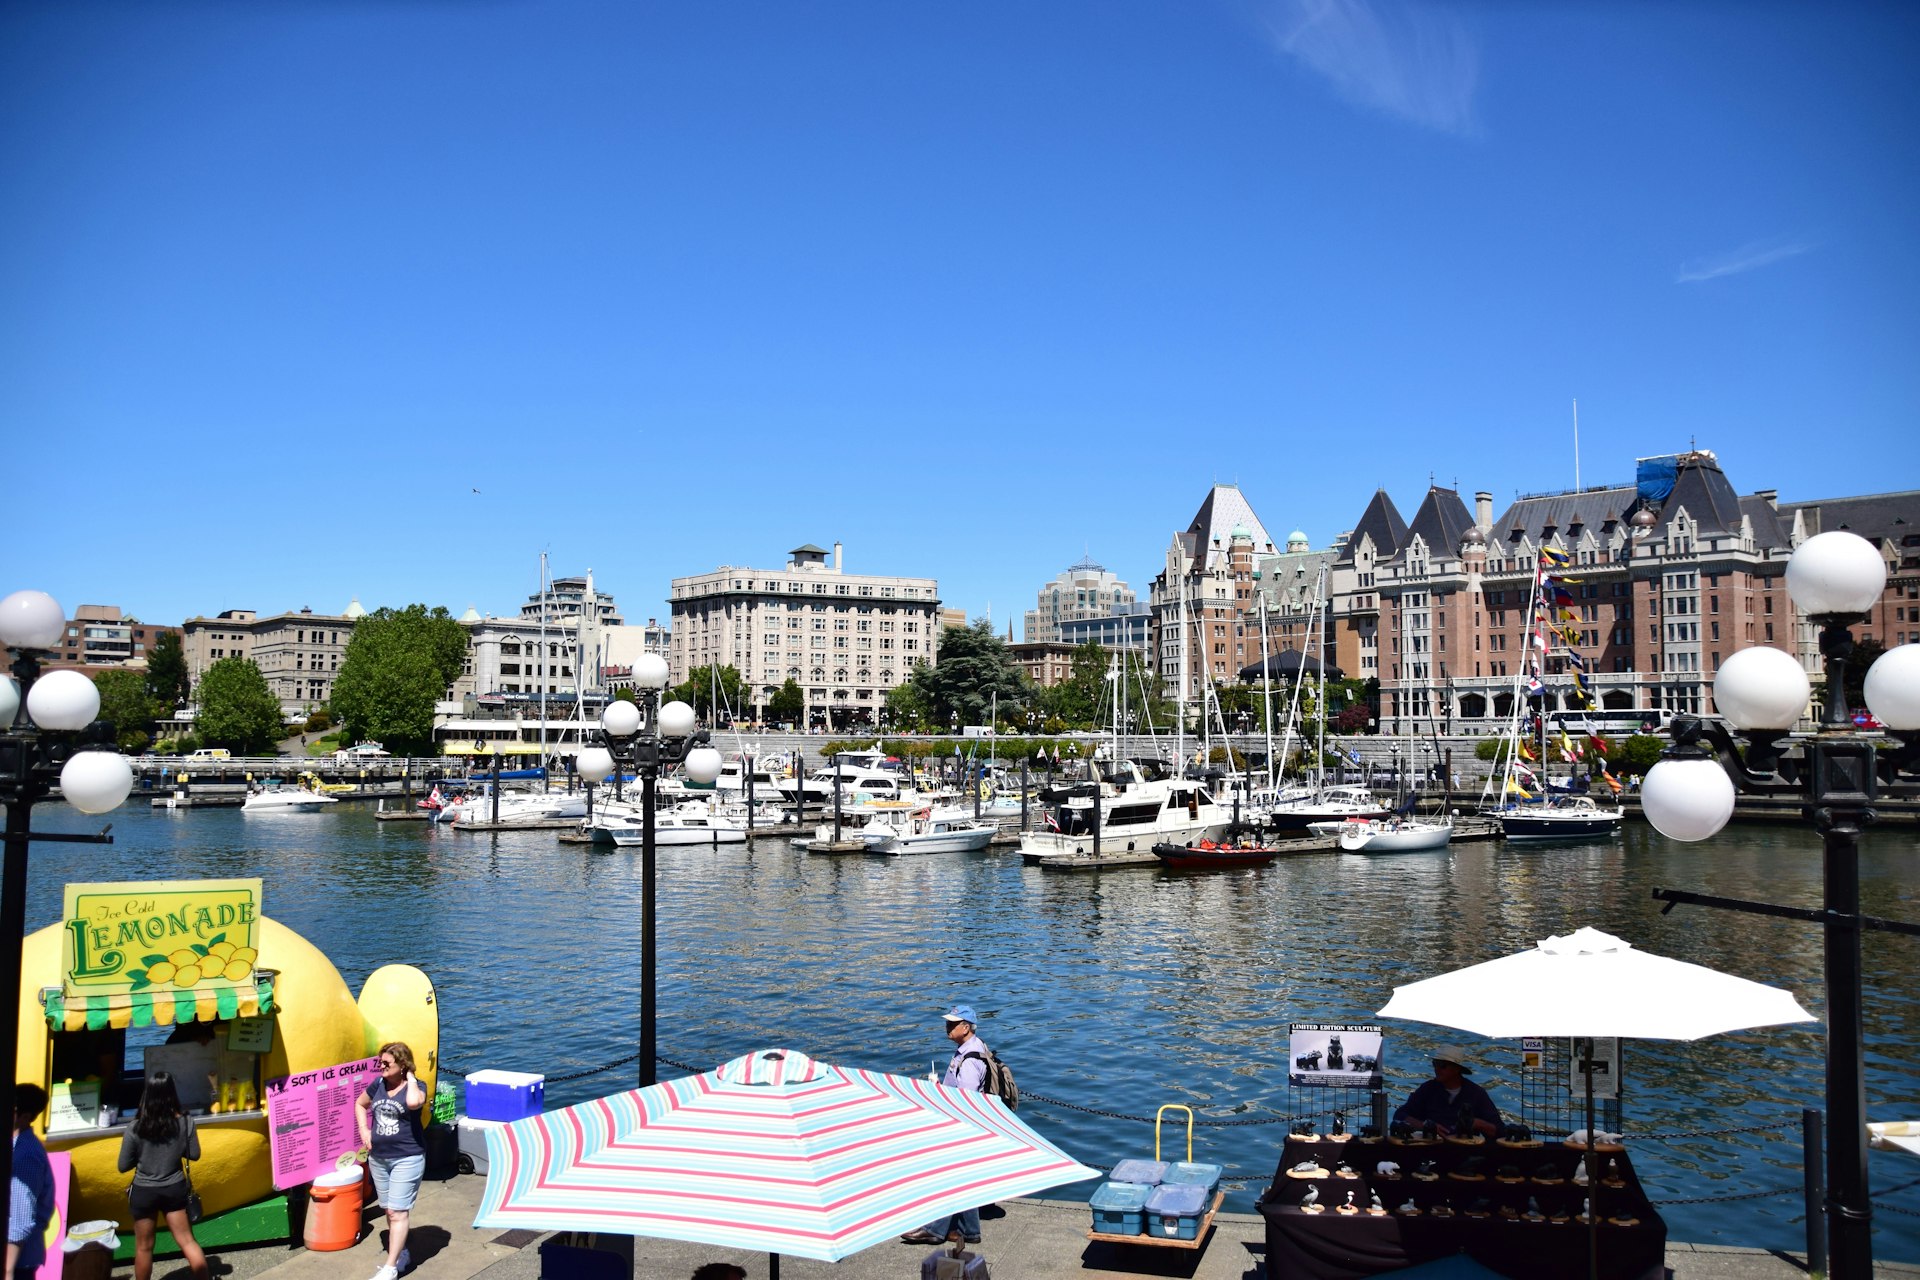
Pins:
x: 1441, y: 1101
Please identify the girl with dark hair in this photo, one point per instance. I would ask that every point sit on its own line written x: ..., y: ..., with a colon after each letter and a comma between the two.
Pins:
x: 156, y: 1143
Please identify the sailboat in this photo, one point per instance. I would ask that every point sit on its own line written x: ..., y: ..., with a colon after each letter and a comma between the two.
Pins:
x: 1324, y: 804
x: 1529, y: 808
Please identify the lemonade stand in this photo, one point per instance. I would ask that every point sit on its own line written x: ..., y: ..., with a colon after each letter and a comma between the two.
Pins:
x: 192, y: 978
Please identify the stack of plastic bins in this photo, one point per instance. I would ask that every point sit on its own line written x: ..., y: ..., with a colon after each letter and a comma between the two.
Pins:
x: 1181, y: 1173
x: 1118, y: 1206
x: 1148, y: 1173
x: 1174, y: 1211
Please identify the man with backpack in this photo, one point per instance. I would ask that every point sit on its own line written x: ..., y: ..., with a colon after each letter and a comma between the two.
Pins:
x: 966, y: 1070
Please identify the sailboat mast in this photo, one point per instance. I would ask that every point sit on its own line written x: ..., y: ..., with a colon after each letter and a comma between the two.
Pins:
x: 1266, y: 689
x: 1180, y: 720
x: 544, y: 594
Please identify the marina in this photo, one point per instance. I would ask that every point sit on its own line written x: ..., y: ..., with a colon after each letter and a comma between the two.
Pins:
x: 1182, y: 985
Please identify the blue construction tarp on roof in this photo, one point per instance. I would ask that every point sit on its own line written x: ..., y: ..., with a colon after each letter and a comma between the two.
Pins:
x: 1656, y: 477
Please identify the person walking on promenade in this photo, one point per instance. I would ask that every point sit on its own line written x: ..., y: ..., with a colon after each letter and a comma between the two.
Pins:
x: 389, y: 1116
x: 153, y: 1148
x: 966, y: 1070
x: 30, y: 1198
x: 1442, y: 1101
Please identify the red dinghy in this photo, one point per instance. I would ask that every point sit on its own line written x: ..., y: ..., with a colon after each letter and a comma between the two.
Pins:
x: 1208, y: 855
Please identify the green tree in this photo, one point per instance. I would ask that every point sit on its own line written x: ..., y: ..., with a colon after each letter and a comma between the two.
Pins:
x: 125, y: 703
x: 697, y: 691
x: 788, y: 705
x: 167, y: 671
x: 974, y: 668
x: 906, y: 708
x: 1079, y: 698
x: 1636, y: 754
x: 397, y: 665
x: 236, y: 709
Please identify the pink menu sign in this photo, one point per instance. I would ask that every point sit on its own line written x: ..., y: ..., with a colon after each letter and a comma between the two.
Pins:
x: 311, y: 1121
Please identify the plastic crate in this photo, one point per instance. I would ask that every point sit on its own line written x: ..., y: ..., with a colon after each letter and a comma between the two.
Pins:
x: 1118, y: 1208
x: 446, y: 1102
x: 1174, y: 1212
x: 505, y: 1095
x: 1182, y: 1174
x: 1148, y: 1173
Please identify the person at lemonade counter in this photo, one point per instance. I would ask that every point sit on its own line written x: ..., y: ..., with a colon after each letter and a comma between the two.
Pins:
x: 389, y: 1116
x: 30, y: 1198
x: 966, y: 1070
x: 160, y: 1137
x: 1438, y: 1101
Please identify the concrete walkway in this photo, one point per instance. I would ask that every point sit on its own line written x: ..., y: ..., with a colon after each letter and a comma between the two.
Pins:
x: 1024, y: 1240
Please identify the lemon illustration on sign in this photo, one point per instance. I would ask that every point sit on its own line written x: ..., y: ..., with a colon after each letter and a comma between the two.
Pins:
x: 186, y: 975
x: 162, y: 972
x: 184, y: 957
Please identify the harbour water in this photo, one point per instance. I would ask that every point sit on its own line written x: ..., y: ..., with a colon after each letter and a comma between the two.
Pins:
x: 1116, y: 991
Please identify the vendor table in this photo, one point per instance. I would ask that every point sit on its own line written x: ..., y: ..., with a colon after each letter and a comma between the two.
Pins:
x: 1483, y: 1215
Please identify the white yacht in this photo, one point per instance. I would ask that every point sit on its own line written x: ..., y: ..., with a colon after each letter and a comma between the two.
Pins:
x: 696, y: 822
x: 1135, y: 813
x: 927, y: 832
x: 285, y: 800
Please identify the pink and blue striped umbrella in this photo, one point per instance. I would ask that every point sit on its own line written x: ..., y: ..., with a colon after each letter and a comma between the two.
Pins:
x: 773, y: 1152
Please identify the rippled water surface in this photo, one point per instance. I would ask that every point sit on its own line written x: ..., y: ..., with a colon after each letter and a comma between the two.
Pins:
x: 1119, y: 991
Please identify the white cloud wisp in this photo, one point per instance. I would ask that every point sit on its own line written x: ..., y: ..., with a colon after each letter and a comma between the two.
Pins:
x: 1748, y: 257
x: 1417, y: 64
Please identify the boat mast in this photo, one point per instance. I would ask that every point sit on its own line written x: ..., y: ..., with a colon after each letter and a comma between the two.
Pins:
x: 1266, y: 689
x: 1180, y: 719
x: 544, y: 593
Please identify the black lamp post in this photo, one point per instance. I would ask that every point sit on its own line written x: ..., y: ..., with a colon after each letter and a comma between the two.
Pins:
x: 49, y: 738
x: 646, y: 736
x: 1835, y: 578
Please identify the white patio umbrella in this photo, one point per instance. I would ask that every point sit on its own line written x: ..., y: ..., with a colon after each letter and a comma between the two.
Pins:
x: 1590, y: 984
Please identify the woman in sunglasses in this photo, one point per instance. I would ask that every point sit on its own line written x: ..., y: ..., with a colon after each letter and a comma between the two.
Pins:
x: 389, y: 1117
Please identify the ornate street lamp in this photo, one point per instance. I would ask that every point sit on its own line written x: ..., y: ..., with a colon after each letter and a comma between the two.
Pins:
x: 1839, y: 771
x: 647, y: 737
x: 57, y: 741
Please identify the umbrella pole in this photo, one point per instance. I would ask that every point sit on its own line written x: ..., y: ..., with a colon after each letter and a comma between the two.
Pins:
x: 1592, y: 1157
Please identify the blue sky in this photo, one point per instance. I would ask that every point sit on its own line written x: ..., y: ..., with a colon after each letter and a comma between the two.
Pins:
x: 974, y: 290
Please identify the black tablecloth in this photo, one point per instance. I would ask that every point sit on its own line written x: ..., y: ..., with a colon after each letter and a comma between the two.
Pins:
x: 1333, y: 1246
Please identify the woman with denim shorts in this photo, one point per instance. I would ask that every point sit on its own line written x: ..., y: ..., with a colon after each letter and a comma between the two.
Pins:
x: 389, y: 1116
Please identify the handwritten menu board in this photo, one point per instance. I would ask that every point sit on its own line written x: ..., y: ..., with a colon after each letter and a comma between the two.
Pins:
x: 311, y: 1122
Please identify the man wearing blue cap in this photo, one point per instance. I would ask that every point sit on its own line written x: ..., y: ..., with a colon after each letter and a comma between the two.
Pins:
x: 966, y: 1070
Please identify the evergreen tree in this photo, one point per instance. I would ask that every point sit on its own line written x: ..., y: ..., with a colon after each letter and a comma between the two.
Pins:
x: 974, y: 668
x: 236, y: 709
x: 167, y: 671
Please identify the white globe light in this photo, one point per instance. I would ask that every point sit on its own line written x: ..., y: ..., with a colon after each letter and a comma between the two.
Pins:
x: 9, y: 702
x: 676, y: 720
x: 1893, y: 687
x: 650, y: 671
x: 63, y: 700
x: 1761, y: 688
x: 1687, y: 799
x: 31, y: 620
x: 1837, y: 572
x: 703, y: 765
x: 595, y: 764
x: 620, y: 719
x: 96, y: 781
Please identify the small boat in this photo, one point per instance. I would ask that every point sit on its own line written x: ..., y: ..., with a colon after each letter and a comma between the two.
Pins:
x: 691, y: 823
x: 1394, y: 835
x: 285, y: 800
x: 1575, y: 817
x: 928, y: 832
x: 1210, y: 855
x: 1332, y: 804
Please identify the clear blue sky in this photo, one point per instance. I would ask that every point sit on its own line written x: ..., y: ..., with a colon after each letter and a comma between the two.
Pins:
x: 974, y: 289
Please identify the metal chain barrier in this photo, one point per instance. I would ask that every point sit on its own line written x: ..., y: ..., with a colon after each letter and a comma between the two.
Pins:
x: 1026, y: 1095
x: 1710, y: 1133
x: 1737, y: 1195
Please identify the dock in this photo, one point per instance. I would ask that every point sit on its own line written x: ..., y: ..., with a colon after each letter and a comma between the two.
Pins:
x: 403, y: 815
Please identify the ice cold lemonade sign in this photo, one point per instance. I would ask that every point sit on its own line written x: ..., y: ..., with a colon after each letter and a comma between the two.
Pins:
x: 160, y: 936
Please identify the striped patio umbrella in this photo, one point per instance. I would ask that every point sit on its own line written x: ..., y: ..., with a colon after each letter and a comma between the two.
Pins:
x: 773, y: 1152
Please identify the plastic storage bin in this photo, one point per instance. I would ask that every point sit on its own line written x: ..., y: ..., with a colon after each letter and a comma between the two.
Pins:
x: 1183, y: 1174
x: 333, y: 1209
x: 1118, y: 1206
x: 505, y: 1095
x: 1148, y: 1173
x: 1174, y: 1212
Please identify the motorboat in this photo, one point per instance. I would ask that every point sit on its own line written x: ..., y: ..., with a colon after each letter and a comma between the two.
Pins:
x: 1394, y: 835
x: 1334, y: 804
x: 285, y: 800
x: 694, y: 822
x: 1561, y: 817
x: 1126, y: 811
x: 521, y: 808
x: 927, y: 832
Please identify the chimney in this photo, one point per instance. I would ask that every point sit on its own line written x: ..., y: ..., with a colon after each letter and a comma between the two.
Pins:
x: 1483, y: 509
x: 836, y: 557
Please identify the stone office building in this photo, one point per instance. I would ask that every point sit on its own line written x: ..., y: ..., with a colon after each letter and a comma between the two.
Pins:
x: 298, y: 652
x: 846, y: 639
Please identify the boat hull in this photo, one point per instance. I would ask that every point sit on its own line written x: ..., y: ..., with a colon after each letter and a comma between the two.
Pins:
x: 943, y: 842
x: 1421, y: 839
x: 1180, y: 857
x: 1524, y: 826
